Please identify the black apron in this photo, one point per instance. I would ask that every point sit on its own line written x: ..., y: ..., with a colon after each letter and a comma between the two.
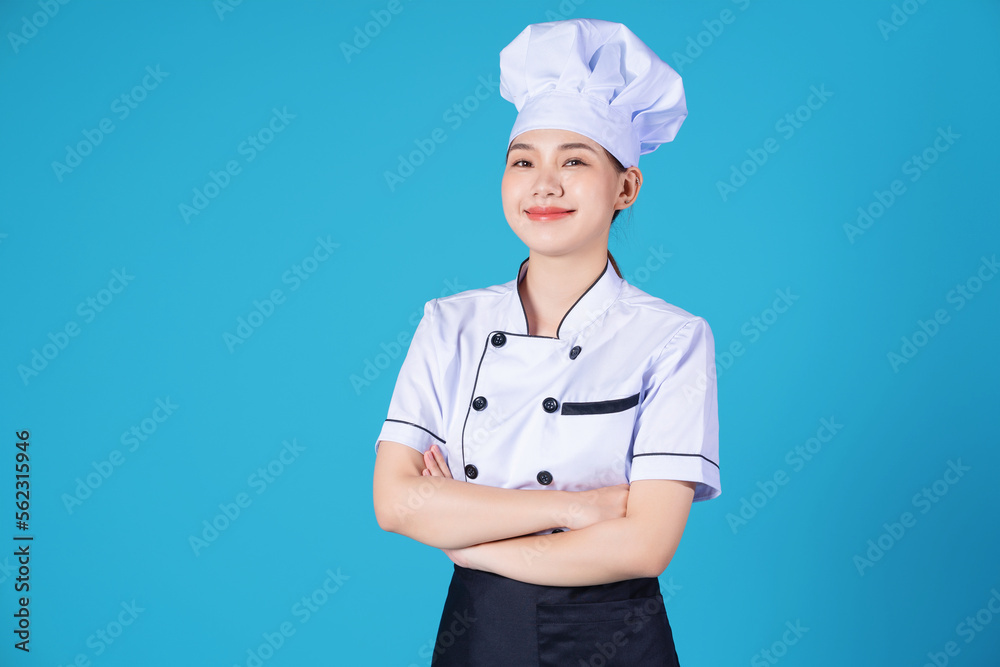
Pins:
x: 492, y: 621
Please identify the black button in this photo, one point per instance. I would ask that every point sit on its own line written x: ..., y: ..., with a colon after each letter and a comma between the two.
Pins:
x: 575, y: 352
x: 498, y: 340
x: 544, y: 477
x: 479, y: 403
x: 471, y: 472
x: 550, y: 404
x: 558, y: 530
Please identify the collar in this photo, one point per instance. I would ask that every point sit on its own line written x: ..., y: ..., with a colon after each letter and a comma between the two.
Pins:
x: 593, y: 303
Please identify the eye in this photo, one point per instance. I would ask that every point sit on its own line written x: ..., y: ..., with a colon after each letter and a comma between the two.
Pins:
x: 577, y: 160
x: 520, y: 163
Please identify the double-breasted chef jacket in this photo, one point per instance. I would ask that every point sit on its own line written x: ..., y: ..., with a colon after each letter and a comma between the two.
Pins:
x: 626, y: 391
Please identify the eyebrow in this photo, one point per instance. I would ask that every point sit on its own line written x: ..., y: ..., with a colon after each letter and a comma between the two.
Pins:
x: 562, y: 147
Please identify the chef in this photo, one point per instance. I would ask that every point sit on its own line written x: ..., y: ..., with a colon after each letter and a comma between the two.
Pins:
x: 564, y: 379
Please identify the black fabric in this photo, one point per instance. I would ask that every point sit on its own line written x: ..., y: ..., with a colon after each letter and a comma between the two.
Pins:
x: 600, y: 407
x: 491, y: 621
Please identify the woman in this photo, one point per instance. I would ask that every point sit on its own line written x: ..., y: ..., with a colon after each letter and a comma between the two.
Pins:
x: 550, y: 434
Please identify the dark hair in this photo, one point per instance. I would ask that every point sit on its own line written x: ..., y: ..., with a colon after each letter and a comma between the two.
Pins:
x: 620, y: 168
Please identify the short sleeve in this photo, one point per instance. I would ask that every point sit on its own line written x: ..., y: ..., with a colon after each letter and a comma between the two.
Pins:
x: 415, y: 416
x: 677, y: 425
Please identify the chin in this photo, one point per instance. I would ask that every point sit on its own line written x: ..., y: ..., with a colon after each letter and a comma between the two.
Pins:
x: 552, y: 249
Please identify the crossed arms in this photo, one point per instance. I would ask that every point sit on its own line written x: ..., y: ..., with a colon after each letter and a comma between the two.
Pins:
x: 616, y: 532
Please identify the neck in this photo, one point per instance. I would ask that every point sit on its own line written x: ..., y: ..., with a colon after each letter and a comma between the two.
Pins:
x: 553, y: 284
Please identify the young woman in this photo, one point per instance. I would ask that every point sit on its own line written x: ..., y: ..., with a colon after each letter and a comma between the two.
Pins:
x: 550, y: 433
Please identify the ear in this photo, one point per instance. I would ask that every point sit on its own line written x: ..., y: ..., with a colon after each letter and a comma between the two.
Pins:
x: 631, y: 185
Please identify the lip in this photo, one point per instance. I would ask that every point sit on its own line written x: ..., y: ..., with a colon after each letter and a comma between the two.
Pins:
x: 547, y: 213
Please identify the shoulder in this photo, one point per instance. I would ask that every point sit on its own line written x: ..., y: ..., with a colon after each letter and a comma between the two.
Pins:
x: 471, y: 297
x: 467, y: 304
x: 653, y: 312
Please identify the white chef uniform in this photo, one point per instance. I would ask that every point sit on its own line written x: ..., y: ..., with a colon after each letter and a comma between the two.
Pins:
x: 626, y: 391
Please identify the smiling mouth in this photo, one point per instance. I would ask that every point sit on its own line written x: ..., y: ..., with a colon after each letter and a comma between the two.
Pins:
x: 547, y: 213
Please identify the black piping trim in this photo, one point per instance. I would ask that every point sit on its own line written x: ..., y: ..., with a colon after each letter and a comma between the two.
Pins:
x: 525, y: 312
x: 400, y: 421
x: 581, y: 296
x: 676, y: 454
x: 600, y: 407
x: 473, y: 396
x: 517, y: 281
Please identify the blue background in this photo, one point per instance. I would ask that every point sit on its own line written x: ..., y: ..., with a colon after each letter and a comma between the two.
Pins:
x: 760, y: 556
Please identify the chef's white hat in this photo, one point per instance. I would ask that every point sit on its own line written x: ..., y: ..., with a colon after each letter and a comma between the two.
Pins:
x: 595, y: 78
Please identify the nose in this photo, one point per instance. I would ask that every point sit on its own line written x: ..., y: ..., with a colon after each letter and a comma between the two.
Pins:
x: 547, y: 181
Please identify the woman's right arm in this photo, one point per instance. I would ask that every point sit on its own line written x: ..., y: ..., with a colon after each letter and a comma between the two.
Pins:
x: 450, y: 514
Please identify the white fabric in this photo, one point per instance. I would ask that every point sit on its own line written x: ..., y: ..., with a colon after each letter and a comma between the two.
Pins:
x: 595, y: 78
x: 630, y: 343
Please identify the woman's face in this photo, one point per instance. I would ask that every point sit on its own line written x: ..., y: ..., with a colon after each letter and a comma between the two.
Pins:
x: 559, y: 191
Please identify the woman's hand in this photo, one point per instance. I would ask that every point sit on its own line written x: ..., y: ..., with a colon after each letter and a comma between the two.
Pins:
x: 596, y: 505
x: 590, y: 507
x: 434, y: 464
x: 459, y: 557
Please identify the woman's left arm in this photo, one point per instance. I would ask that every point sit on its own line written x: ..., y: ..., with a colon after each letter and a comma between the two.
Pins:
x: 641, y: 544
